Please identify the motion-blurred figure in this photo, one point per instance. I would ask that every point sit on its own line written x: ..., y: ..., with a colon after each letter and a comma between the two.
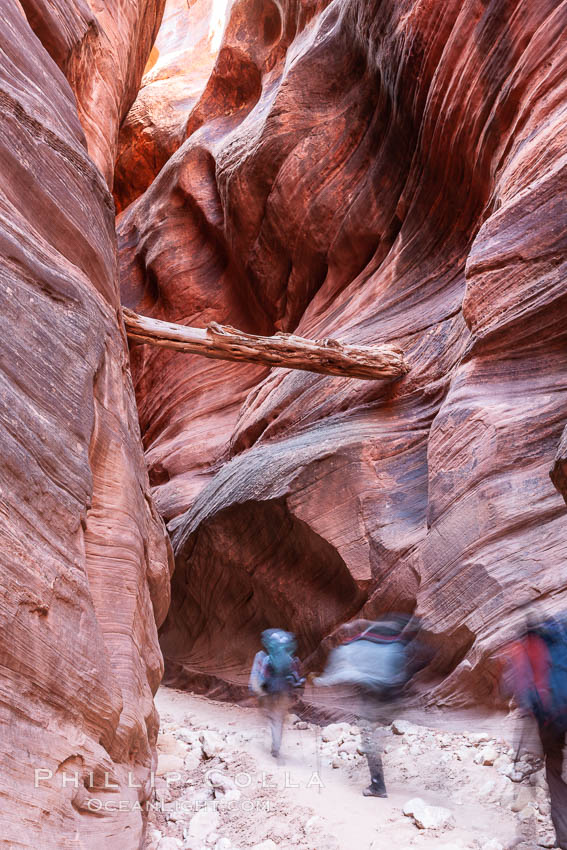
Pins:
x: 370, y: 668
x: 275, y: 675
x: 535, y: 673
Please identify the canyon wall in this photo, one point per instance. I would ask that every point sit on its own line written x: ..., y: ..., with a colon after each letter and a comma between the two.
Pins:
x: 84, y: 555
x: 374, y: 171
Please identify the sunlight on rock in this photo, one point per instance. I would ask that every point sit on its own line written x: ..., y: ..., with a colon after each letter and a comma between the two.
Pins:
x: 217, y: 24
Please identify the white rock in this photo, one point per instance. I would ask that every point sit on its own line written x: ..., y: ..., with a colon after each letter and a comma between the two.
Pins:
x: 337, y: 762
x: 477, y: 738
x: 493, y: 844
x: 212, y: 743
x: 348, y: 747
x: 167, y: 743
x: 404, y: 727
x: 301, y: 724
x: 224, y: 787
x: 188, y: 736
x: 170, y: 844
x: 486, y: 756
x: 203, y: 823
x: 192, y: 761
x: 223, y: 844
x: 335, y: 732
x: 202, y: 797
x: 428, y: 817
x: 502, y: 763
x: 220, y: 779
x: 524, y: 796
x: 527, y: 812
x: 268, y: 844
x: 169, y: 764
x: 193, y: 844
x: 212, y: 838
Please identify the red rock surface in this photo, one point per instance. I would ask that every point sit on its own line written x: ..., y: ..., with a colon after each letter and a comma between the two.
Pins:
x: 83, y: 553
x: 559, y: 471
x: 102, y: 48
x: 375, y: 171
x: 178, y: 70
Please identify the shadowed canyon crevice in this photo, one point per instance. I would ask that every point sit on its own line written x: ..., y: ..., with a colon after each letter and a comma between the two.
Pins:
x: 367, y: 170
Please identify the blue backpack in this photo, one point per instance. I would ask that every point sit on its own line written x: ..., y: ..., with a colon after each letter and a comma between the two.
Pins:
x: 277, y: 669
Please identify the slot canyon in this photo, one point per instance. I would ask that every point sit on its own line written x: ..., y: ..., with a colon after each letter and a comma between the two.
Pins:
x: 378, y: 172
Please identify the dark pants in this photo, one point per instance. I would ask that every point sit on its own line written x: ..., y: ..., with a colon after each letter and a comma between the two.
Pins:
x: 372, y: 712
x: 553, y: 743
x: 375, y: 715
x: 372, y: 735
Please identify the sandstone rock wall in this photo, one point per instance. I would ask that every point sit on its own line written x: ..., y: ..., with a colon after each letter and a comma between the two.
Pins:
x: 375, y: 171
x: 84, y: 556
x: 102, y: 48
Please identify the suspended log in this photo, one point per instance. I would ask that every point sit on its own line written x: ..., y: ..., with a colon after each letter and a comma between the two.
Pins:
x: 222, y: 342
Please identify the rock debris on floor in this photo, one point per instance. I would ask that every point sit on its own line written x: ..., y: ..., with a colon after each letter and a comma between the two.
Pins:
x: 218, y: 788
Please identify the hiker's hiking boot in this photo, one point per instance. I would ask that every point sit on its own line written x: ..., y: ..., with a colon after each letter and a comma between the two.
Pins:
x: 377, y: 788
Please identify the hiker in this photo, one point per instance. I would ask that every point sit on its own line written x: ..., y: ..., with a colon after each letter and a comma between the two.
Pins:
x: 275, y: 676
x: 369, y: 669
x: 535, y: 673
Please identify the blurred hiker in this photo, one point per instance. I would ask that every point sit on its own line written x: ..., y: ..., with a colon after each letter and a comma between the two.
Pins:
x: 275, y: 676
x: 371, y: 667
x: 535, y: 673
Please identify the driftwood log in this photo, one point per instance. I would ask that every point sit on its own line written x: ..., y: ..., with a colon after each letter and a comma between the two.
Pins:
x: 222, y: 342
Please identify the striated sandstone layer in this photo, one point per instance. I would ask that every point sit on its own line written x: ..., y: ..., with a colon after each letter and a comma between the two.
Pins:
x: 375, y: 171
x: 101, y: 47
x: 83, y: 553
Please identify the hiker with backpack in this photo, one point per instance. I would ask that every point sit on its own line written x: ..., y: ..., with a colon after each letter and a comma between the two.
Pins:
x: 535, y: 674
x: 368, y: 672
x: 274, y: 678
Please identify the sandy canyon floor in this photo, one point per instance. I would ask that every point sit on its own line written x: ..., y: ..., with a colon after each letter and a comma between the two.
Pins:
x: 217, y: 785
